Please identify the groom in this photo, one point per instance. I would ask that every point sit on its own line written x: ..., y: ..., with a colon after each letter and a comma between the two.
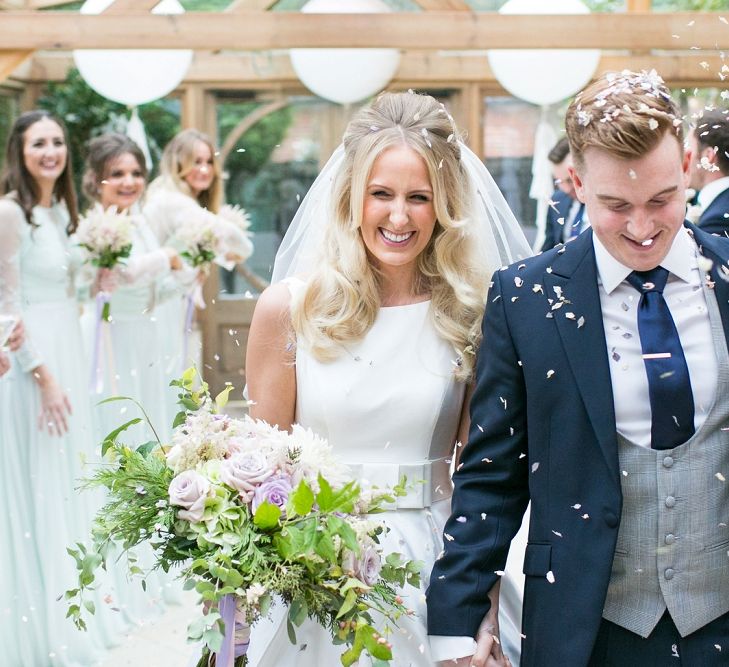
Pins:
x: 602, y: 395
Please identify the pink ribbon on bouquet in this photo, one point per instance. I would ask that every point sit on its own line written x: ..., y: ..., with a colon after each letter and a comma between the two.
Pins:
x: 237, y: 633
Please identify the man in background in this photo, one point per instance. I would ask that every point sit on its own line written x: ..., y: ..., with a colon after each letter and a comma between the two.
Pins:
x: 565, y: 213
x: 709, y: 146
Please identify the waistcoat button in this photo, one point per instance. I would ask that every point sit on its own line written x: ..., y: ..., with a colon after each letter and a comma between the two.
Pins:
x: 670, y: 501
x: 610, y: 520
x: 670, y: 538
x: 669, y: 573
x: 667, y: 461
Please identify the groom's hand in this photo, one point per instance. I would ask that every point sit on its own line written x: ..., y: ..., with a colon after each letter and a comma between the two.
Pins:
x: 488, y: 646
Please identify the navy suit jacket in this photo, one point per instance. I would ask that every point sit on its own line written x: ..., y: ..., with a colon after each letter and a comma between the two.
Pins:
x: 715, y: 219
x: 554, y: 230
x: 542, y: 429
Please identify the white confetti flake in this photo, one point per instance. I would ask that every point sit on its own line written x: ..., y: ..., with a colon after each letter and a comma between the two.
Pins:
x: 576, y: 506
x: 585, y: 516
x: 625, y: 473
x: 499, y: 573
x: 570, y: 316
x: 535, y: 466
x: 518, y: 281
x: 580, y: 322
x: 550, y: 373
x: 632, y: 173
x: 483, y: 516
x: 450, y: 538
x: 550, y: 577
x: 653, y: 124
x: 720, y: 477
x: 557, y: 533
x: 461, y: 519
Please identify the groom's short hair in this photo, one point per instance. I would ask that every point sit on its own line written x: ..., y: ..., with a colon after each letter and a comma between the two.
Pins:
x: 625, y: 114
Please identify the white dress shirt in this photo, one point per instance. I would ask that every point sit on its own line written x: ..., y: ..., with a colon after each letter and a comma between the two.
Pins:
x: 711, y: 191
x: 685, y: 298
x: 619, y: 302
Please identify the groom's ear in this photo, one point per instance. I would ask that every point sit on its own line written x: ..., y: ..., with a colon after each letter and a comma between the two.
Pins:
x: 578, y: 183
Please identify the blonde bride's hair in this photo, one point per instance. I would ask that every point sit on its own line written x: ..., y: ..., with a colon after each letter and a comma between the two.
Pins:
x: 342, y: 297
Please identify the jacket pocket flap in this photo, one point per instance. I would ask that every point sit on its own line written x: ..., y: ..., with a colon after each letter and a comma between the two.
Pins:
x: 537, y: 559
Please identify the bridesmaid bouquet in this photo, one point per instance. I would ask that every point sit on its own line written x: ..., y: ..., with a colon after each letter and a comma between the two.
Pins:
x: 198, y: 239
x: 106, y: 235
x: 250, y: 513
x: 236, y: 216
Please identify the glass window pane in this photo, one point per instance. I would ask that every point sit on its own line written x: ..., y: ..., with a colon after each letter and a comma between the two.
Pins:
x: 271, y: 166
x: 509, y: 126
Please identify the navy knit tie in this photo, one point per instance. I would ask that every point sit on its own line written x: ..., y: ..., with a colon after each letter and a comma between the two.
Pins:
x: 669, y: 384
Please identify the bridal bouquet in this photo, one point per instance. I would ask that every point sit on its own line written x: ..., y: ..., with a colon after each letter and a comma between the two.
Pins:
x: 106, y: 235
x: 250, y: 513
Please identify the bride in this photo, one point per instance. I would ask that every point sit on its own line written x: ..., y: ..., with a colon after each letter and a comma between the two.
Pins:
x: 369, y: 333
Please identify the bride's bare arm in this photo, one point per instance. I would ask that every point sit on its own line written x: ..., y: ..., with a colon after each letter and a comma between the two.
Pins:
x: 270, y: 357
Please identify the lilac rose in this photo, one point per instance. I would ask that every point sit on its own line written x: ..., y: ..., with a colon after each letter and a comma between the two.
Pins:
x: 366, y: 568
x: 189, y: 491
x: 244, y: 472
x: 370, y: 565
x: 275, y: 490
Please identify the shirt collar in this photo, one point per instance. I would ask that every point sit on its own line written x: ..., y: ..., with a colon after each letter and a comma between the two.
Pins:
x: 680, y: 261
x: 712, y: 190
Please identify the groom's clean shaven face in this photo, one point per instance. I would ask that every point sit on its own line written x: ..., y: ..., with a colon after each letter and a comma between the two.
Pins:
x: 635, y: 206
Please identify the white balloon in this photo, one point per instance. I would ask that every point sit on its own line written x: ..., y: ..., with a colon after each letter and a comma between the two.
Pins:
x: 133, y: 76
x: 544, y: 76
x: 345, y: 75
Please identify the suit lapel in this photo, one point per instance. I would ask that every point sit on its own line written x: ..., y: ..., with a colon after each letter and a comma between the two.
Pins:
x: 574, y: 276
x: 716, y: 249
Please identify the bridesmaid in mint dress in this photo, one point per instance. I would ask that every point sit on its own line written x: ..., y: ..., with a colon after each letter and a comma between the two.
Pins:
x: 132, y: 345
x: 45, y: 422
x: 190, y: 185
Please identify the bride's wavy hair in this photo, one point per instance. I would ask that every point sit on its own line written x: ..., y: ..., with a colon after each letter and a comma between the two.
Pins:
x: 342, y: 298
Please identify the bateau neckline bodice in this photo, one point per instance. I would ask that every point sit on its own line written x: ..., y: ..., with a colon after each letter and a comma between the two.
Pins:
x: 407, y: 305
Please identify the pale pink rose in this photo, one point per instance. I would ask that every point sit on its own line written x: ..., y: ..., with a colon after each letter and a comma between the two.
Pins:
x: 189, y: 490
x: 244, y: 472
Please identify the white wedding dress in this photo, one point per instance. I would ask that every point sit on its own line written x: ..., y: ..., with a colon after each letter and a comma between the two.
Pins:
x: 390, y: 406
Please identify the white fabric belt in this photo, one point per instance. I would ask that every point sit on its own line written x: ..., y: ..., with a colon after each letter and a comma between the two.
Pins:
x: 427, y: 481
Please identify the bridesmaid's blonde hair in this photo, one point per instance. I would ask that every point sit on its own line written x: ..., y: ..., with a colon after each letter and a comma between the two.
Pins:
x: 342, y: 298
x: 178, y: 160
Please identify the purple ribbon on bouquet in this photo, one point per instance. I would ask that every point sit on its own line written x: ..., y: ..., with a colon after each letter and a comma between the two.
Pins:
x: 189, y: 312
x: 97, y: 377
x: 231, y: 648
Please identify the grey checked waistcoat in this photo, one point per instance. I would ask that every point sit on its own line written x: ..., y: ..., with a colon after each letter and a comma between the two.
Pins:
x: 673, y: 542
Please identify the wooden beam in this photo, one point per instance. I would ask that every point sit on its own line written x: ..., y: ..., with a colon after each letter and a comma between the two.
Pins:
x: 420, y: 67
x: 412, y: 30
x: 247, y: 5
x: 10, y: 61
x: 131, y: 6
x: 638, y: 5
x: 444, y: 5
